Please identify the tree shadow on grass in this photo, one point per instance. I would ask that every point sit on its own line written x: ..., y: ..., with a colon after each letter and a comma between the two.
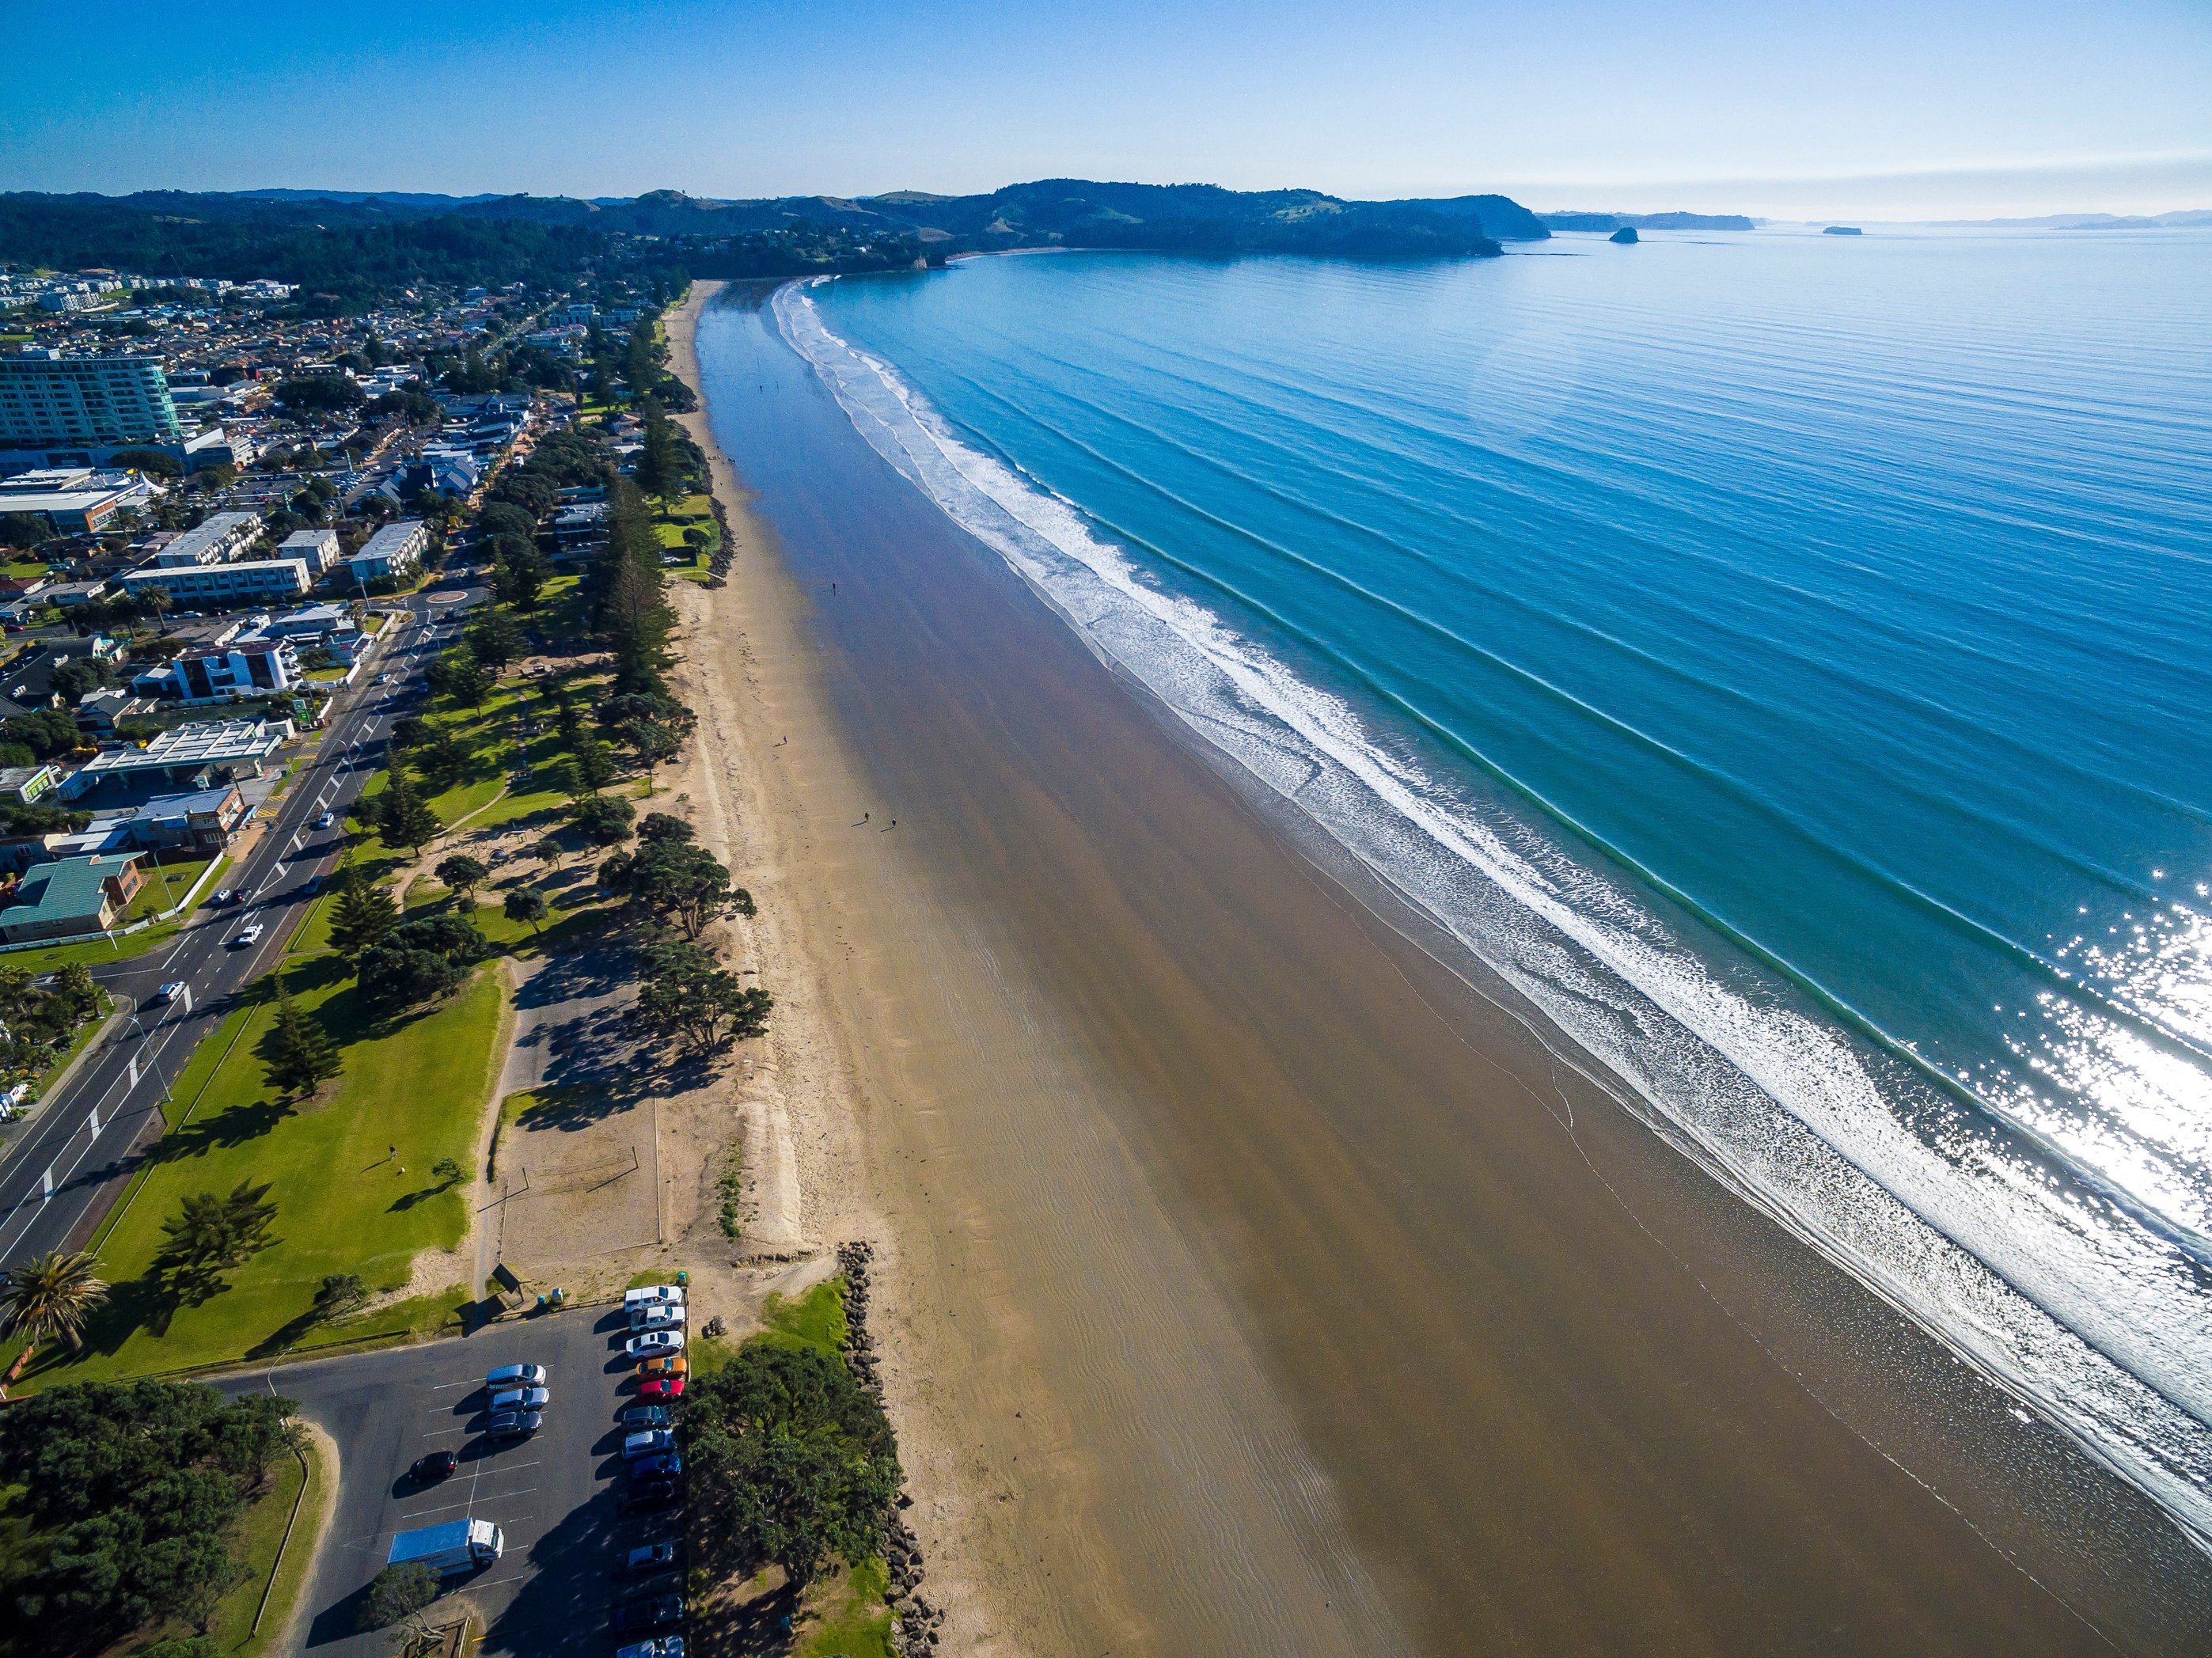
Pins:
x: 233, y: 1126
x: 423, y: 1194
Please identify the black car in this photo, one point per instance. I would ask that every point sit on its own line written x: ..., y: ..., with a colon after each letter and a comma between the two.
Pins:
x: 438, y: 1465
x: 654, y: 1611
x: 649, y: 1494
x: 638, y: 1417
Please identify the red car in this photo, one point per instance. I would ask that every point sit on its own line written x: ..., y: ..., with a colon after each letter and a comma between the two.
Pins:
x: 661, y: 1387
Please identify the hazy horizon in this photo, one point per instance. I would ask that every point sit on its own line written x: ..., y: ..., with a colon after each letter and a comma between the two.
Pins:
x: 1951, y: 109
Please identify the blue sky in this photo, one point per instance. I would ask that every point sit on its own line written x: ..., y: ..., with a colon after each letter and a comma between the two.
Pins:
x: 1880, y: 109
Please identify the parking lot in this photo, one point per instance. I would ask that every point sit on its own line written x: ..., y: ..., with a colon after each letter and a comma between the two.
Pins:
x: 555, y: 1495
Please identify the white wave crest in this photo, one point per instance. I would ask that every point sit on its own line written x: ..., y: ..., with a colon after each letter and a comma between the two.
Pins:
x: 2075, y: 1312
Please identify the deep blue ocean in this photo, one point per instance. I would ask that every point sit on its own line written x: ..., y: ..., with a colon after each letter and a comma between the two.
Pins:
x: 1786, y: 659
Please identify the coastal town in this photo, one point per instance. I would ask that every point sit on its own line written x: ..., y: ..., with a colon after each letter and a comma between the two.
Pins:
x: 343, y: 818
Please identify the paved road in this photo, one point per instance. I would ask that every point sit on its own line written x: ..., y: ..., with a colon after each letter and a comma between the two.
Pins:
x: 556, y: 1497
x: 61, y: 1172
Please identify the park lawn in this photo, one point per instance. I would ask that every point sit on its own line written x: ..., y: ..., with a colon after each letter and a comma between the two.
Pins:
x: 816, y: 1320
x: 345, y: 1201
x: 846, y: 1614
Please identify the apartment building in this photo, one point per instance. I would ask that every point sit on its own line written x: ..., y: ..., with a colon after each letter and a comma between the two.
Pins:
x: 218, y: 539
x: 48, y: 399
x: 226, y: 587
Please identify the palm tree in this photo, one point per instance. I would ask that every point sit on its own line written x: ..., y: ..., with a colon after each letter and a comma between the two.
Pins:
x: 49, y: 1296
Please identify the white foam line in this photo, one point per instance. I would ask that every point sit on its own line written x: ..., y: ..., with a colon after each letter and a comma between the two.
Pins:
x: 1781, y: 1109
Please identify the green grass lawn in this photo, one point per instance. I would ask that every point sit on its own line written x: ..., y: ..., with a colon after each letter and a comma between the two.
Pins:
x: 254, y: 1546
x: 290, y: 1570
x: 347, y: 1201
x: 816, y: 1320
x: 846, y: 1615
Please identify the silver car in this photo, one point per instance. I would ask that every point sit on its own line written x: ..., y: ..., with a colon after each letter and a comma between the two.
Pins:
x: 521, y: 1398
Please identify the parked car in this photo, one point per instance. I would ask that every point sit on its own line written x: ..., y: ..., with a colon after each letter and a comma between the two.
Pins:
x: 666, y: 1646
x: 650, y: 1558
x: 438, y: 1465
x: 509, y: 1376
x: 652, y: 1612
x: 664, y: 1465
x: 653, y: 1294
x: 644, y: 1416
x: 521, y: 1398
x: 649, y: 1442
x: 666, y: 1364
x: 649, y: 1494
x: 515, y: 1424
x: 655, y: 1341
x: 170, y: 992
x: 660, y: 1388
x: 656, y: 1317
x: 248, y: 934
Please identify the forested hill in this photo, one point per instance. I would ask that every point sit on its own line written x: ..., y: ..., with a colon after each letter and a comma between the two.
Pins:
x: 350, y: 242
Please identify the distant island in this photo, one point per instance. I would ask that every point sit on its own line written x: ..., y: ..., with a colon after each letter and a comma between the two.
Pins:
x: 1625, y: 236
x: 1610, y: 221
x: 1842, y: 230
x: 356, y: 246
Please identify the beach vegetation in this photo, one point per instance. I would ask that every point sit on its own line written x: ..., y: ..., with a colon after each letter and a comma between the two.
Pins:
x: 791, y: 1461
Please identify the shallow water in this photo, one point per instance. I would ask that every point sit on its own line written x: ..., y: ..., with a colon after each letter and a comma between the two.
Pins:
x: 1782, y: 659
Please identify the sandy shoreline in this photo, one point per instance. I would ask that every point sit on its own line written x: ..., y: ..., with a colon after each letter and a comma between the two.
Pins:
x: 1246, y: 1282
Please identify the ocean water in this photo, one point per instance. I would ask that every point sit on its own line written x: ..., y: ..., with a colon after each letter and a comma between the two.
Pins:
x: 1787, y: 661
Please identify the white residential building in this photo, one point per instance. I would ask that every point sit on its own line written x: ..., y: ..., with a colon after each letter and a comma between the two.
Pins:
x: 226, y: 587
x: 394, y: 551
x: 223, y: 536
x: 317, y: 549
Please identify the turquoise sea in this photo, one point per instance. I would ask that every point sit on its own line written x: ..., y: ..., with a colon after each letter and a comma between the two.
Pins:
x: 1787, y: 661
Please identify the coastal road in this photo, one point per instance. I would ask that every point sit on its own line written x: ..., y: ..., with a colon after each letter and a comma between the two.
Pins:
x: 555, y: 1496
x: 61, y: 1172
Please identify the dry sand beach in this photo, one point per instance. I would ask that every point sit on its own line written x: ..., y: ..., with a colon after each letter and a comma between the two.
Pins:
x: 1248, y: 1281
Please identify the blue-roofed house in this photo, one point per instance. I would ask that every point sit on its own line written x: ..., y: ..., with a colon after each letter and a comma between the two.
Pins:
x: 71, y: 895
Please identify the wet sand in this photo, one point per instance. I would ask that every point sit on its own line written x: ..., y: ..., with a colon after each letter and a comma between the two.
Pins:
x: 1256, y: 1282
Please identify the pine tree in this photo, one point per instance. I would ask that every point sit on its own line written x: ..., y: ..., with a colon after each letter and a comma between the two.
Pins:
x: 298, y: 1055
x: 363, y: 916
x: 407, y: 819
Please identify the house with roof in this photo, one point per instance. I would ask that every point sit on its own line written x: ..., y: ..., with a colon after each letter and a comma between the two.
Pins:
x: 71, y: 895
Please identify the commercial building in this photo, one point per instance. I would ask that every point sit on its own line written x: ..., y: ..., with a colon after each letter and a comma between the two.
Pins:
x: 221, y: 537
x: 24, y: 784
x: 317, y: 549
x: 72, y: 500
x: 249, y: 581
x: 394, y: 551
x: 47, y: 399
x: 194, y: 756
x: 71, y: 895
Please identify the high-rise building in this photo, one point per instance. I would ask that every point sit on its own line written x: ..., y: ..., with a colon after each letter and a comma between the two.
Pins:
x: 47, y: 398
